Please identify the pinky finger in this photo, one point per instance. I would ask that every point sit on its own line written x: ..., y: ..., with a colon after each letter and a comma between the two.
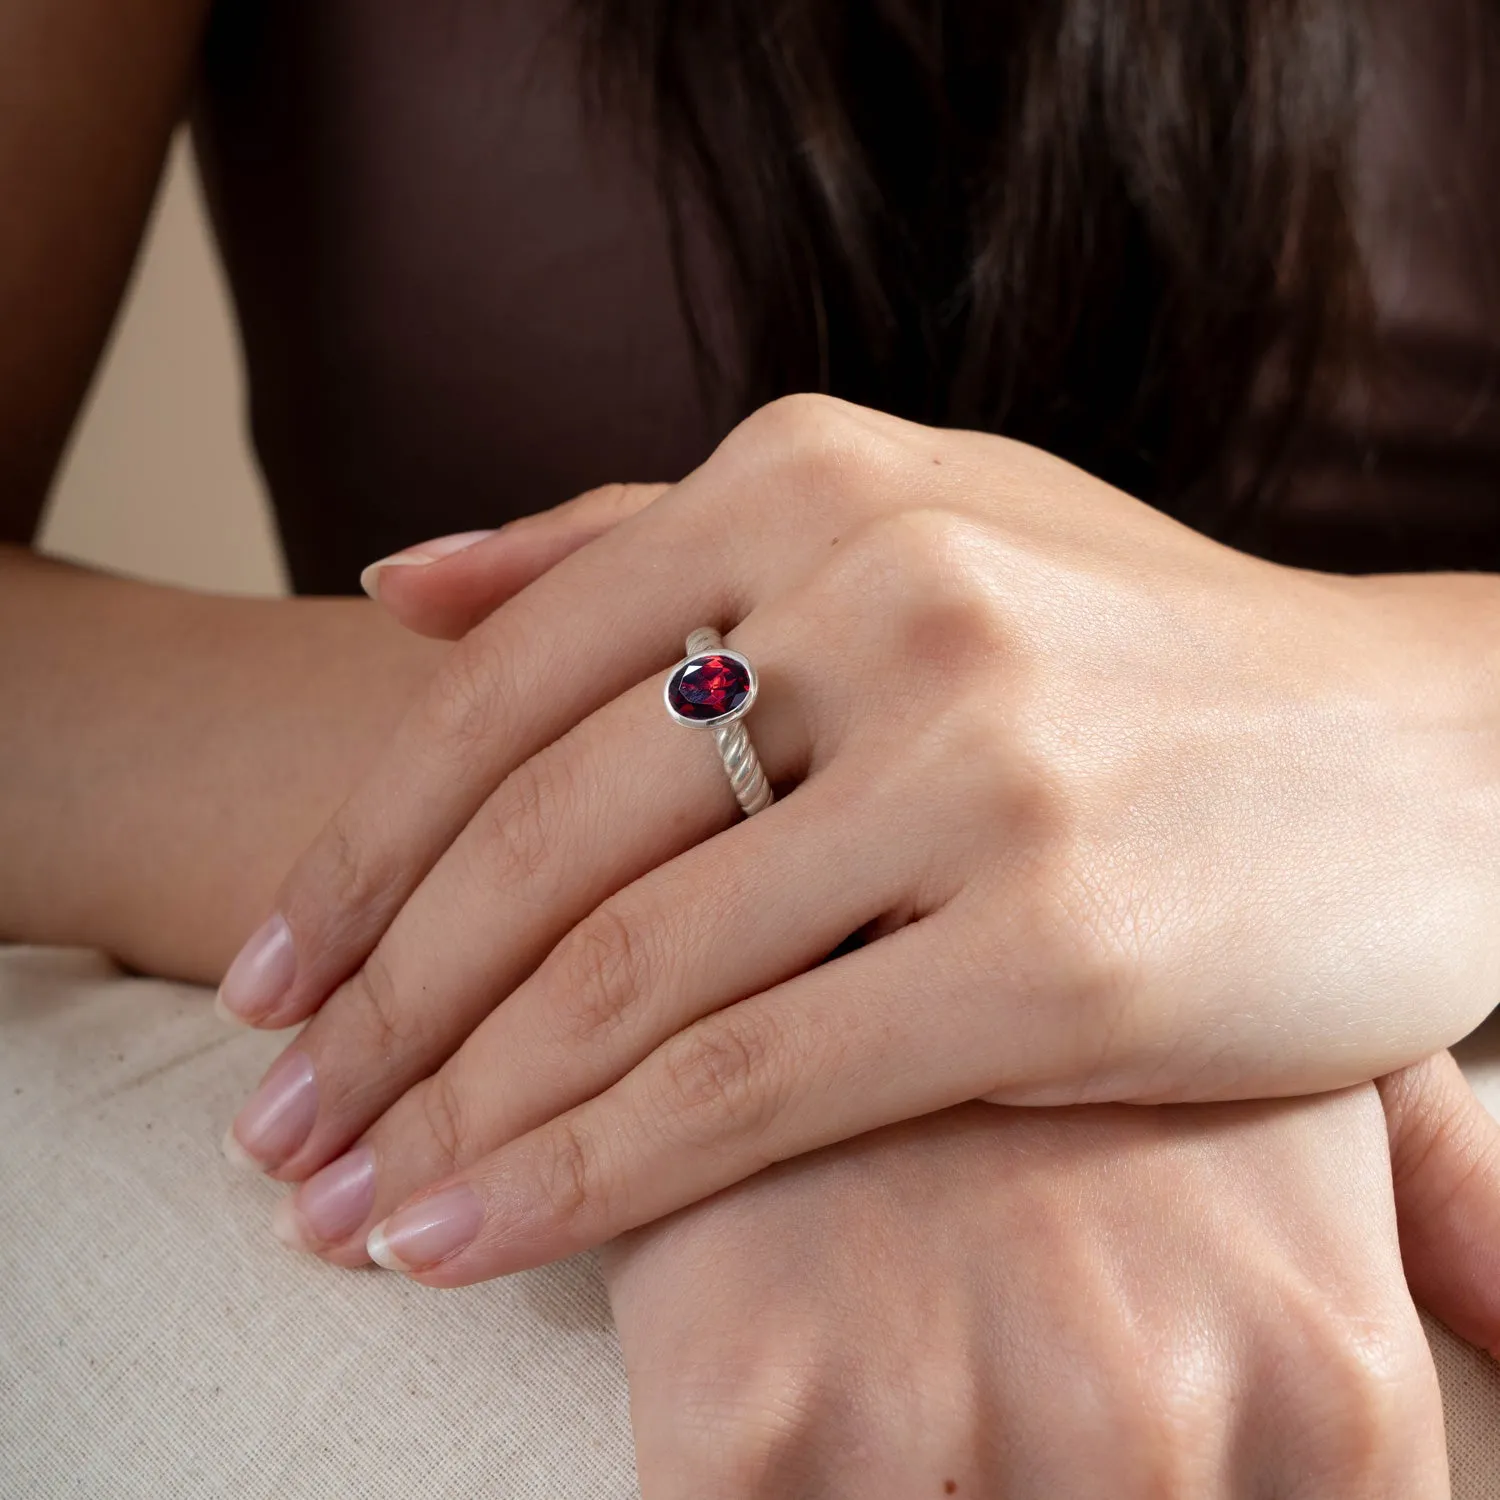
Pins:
x: 810, y: 1062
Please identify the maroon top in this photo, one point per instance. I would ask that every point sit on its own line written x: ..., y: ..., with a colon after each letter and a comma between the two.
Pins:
x: 458, y: 307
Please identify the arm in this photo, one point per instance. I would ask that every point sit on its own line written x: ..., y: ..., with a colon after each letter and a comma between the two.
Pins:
x: 162, y: 755
x: 173, y: 751
x: 92, y: 89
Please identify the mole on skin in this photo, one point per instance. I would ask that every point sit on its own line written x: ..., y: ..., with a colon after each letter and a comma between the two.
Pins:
x: 950, y: 1486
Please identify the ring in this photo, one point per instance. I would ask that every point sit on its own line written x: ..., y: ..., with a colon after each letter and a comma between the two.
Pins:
x: 713, y: 688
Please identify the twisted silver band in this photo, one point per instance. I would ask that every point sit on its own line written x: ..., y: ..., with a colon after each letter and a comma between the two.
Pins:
x: 746, y: 775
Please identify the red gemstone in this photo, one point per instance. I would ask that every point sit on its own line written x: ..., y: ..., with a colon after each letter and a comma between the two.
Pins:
x: 705, y: 688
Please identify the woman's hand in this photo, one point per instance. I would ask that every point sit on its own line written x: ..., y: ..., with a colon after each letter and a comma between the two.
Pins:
x: 1198, y: 1301
x: 1140, y: 818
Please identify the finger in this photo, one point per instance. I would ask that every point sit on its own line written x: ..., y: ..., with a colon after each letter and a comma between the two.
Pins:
x: 606, y: 617
x: 817, y: 1059
x: 650, y: 960
x: 621, y: 793
x: 447, y: 595
x: 592, y: 627
x: 1445, y: 1162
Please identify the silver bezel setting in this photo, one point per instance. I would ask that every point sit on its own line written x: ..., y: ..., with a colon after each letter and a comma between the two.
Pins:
x: 734, y: 714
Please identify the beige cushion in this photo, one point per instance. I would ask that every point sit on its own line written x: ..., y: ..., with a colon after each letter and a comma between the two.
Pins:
x: 155, y: 1341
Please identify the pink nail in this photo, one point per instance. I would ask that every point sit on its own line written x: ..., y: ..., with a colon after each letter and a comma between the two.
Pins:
x: 416, y: 1238
x: 419, y: 556
x: 279, y: 1116
x: 331, y: 1204
x: 260, y: 975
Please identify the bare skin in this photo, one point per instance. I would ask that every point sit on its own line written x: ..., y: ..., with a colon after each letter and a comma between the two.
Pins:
x: 205, y: 738
x: 103, y: 83
x: 180, y: 712
x: 1138, y: 818
x: 1233, y: 1339
x: 175, y: 751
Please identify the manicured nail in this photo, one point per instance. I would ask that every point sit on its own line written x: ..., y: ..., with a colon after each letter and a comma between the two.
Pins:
x: 236, y: 1153
x: 260, y: 975
x: 416, y: 1238
x: 278, y: 1117
x: 419, y: 556
x: 330, y: 1205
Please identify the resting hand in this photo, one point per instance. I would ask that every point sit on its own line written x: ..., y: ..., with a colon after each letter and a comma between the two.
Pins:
x: 1140, y: 817
x: 1190, y: 1303
x: 811, y: 1235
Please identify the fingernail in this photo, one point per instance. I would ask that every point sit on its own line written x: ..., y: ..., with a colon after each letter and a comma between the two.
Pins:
x: 236, y: 1153
x: 278, y: 1117
x: 419, y: 556
x: 330, y: 1205
x: 418, y: 1237
x: 262, y: 972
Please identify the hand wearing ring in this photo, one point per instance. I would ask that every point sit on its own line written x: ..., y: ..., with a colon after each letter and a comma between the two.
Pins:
x: 1113, y: 800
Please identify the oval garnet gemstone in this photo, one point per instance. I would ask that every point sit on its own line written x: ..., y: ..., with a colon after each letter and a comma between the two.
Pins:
x: 705, y: 688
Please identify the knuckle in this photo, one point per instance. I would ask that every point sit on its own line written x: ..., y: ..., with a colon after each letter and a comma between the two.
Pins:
x: 443, y: 1114
x: 802, y: 419
x: 721, y: 1078
x: 606, y: 498
x: 373, y: 992
x: 350, y: 875
x: 750, y: 1434
x: 941, y: 615
x: 571, y: 1174
x: 467, y: 695
x: 1176, y: 1422
x: 946, y: 605
x: 1370, y: 1393
x: 624, y: 500
x: 811, y: 445
x: 604, y: 970
x: 1367, y: 1392
x: 523, y: 819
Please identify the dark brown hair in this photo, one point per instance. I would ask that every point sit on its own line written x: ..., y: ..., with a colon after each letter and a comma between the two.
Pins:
x: 1120, y: 229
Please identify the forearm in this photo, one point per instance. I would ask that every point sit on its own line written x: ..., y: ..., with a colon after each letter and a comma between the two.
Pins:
x: 166, y: 755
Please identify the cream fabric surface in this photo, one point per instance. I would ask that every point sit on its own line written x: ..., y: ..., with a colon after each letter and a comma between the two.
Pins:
x: 155, y: 1341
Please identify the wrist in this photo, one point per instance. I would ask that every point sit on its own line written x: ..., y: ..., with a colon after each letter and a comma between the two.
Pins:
x: 1440, y: 632
x: 1432, y: 648
x: 1432, y: 643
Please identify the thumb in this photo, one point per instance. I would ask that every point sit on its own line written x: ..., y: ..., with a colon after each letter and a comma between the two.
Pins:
x: 447, y: 586
x: 1445, y: 1162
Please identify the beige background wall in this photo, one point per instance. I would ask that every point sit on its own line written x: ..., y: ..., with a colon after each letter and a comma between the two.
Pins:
x: 159, y: 481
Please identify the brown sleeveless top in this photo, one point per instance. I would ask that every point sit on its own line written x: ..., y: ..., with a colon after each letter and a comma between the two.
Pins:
x: 457, y: 303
